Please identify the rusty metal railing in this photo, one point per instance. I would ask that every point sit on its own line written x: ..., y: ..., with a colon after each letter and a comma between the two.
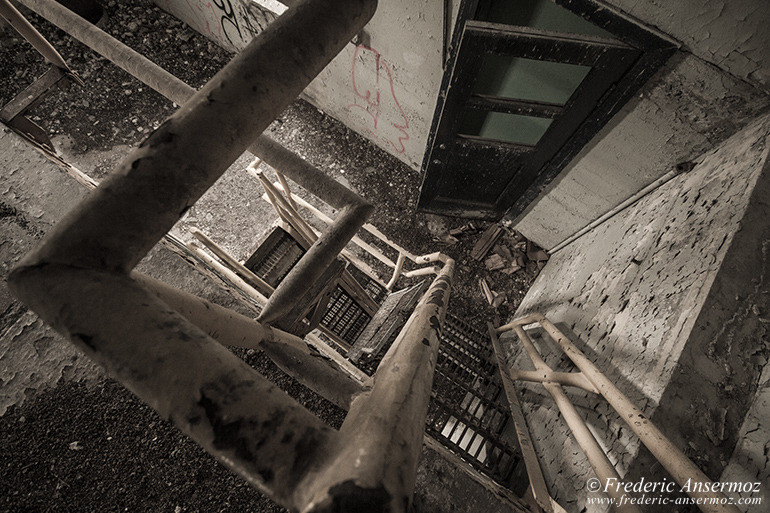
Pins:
x: 158, y: 341
x: 589, y: 378
x: 354, y: 209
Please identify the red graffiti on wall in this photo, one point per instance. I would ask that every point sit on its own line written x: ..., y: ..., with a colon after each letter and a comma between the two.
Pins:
x: 381, y: 113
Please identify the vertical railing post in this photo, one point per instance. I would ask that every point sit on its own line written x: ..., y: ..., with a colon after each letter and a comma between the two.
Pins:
x: 376, y: 467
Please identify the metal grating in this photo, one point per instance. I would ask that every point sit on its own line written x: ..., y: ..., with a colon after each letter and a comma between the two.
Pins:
x: 467, y: 413
x: 275, y: 257
x: 372, y: 287
x: 384, y: 327
x: 344, y: 316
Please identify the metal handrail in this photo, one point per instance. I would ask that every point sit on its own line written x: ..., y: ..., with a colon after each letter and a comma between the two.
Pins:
x: 590, y: 378
x: 355, y: 208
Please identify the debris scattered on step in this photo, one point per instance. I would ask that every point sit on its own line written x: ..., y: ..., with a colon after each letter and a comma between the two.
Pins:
x: 716, y: 432
x: 503, y: 251
x: 436, y: 225
x: 487, y: 240
x: 512, y: 268
x: 486, y: 291
x: 449, y: 240
x: 495, y: 262
x: 535, y: 254
x: 495, y: 299
x: 462, y: 230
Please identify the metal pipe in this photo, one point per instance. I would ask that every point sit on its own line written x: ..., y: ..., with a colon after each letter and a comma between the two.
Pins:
x: 204, y: 389
x: 521, y: 321
x: 619, y: 208
x: 383, y: 432
x: 376, y: 253
x: 289, y: 352
x: 670, y: 456
x: 422, y: 271
x: 532, y: 351
x: 239, y: 268
x: 286, y: 190
x: 130, y: 61
x: 291, y: 213
x: 596, y: 456
x: 314, y: 262
x: 30, y: 33
x: 396, y: 271
x: 305, y: 174
x: 572, y: 379
x: 534, y: 472
x: 222, y: 324
x: 228, y: 273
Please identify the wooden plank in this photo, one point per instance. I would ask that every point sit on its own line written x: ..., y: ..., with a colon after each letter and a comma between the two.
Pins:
x: 487, y: 240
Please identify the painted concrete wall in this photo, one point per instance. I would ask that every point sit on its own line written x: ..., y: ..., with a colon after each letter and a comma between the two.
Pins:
x: 731, y: 34
x: 712, y: 87
x: 384, y: 87
x: 667, y: 298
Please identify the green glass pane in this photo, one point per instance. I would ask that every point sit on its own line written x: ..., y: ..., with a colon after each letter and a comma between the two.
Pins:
x: 541, y: 14
x: 528, y: 79
x: 512, y: 128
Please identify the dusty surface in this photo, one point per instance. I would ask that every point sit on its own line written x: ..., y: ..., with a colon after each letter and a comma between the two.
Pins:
x: 153, y: 468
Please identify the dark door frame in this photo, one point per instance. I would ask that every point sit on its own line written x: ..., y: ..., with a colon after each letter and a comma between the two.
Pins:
x: 563, y: 142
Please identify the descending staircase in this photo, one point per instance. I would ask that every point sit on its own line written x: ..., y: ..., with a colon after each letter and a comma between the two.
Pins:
x: 468, y: 413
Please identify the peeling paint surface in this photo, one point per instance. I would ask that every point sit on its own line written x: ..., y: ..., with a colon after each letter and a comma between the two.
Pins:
x: 630, y: 294
x: 34, y: 357
x: 730, y: 34
x: 750, y: 460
